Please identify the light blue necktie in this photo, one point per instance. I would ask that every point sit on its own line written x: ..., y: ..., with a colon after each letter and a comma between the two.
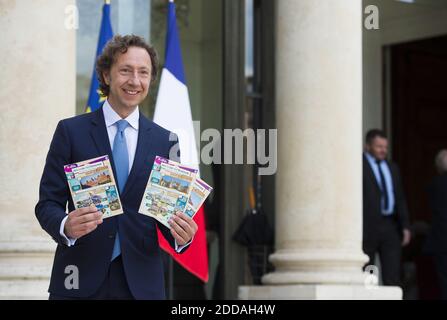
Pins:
x: 121, y: 160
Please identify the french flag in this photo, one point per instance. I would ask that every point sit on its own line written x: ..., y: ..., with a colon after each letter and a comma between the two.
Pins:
x: 173, y: 112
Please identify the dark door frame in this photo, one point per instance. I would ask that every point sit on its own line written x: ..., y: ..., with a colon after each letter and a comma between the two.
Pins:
x: 234, y: 192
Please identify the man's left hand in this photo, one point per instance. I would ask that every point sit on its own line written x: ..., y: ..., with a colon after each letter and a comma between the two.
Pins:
x: 183, y: 228
x: 406, y: 237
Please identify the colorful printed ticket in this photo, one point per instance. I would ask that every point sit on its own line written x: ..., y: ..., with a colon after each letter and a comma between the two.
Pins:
x: 200, y: 191
x: 168, y: 189
x: 92, y: 182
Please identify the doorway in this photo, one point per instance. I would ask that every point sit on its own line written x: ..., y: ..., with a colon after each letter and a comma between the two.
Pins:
x: 418, y: 130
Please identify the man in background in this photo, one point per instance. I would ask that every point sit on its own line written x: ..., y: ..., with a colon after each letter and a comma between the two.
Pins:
x: 385, y: 212
x: 436, y: 243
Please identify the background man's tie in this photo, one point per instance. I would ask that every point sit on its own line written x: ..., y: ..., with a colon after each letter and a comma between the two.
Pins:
x: 383, y: 186
x: 121, y: 160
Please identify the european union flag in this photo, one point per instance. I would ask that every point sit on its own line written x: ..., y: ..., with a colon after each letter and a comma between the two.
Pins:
x: 95, y: 97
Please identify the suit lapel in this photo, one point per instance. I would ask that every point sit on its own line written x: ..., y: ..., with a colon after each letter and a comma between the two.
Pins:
x: 141, y: 154
x: 101, y: 138
x: 370, y: 172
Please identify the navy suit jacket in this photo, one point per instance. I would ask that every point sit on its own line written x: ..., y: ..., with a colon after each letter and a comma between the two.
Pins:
x: 84, y: 137
x: 436, y: 242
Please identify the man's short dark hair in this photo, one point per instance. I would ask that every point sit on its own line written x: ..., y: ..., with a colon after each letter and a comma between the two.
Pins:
x: 374, y: 133
x: 120, y: 44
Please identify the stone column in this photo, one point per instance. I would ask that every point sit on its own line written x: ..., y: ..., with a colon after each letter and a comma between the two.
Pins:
x: 37, y: 88
x: 319, y: 179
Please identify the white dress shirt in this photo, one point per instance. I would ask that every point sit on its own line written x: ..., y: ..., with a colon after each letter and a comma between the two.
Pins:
x: 388, y: 181
x: 131, y: 133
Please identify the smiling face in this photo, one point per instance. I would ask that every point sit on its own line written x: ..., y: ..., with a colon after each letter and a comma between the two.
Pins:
x: 129, y: 80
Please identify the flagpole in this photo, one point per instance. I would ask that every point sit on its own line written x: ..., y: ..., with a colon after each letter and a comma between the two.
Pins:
x: 170, y: 263
x: 170, y: 278
x: 173, y: 91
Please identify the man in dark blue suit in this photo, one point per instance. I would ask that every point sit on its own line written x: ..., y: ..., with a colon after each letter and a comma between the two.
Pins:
x: 386, y: 226
x: 119, y: 257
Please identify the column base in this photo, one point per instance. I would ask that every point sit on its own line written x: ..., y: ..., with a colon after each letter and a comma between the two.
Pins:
x: 28, y: 289
x: 319, y: 292
x: 321, y: 266
x: 25, y: 269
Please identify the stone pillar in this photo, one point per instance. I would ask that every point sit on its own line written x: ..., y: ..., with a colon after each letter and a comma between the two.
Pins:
x: 319, y: 179
x: 38, y: 63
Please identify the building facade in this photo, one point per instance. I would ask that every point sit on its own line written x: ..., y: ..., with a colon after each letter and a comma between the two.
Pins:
x: 320, y: 72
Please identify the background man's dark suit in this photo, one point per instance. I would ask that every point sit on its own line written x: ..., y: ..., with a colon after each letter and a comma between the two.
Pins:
x: 85, y: 137
x: 383, y: 234
x: 437, y: 238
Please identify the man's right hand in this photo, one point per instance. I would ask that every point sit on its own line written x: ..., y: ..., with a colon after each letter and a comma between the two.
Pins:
x: 82, y: 221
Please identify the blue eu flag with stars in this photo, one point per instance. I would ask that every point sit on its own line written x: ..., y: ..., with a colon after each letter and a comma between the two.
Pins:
x: 95, y: 97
